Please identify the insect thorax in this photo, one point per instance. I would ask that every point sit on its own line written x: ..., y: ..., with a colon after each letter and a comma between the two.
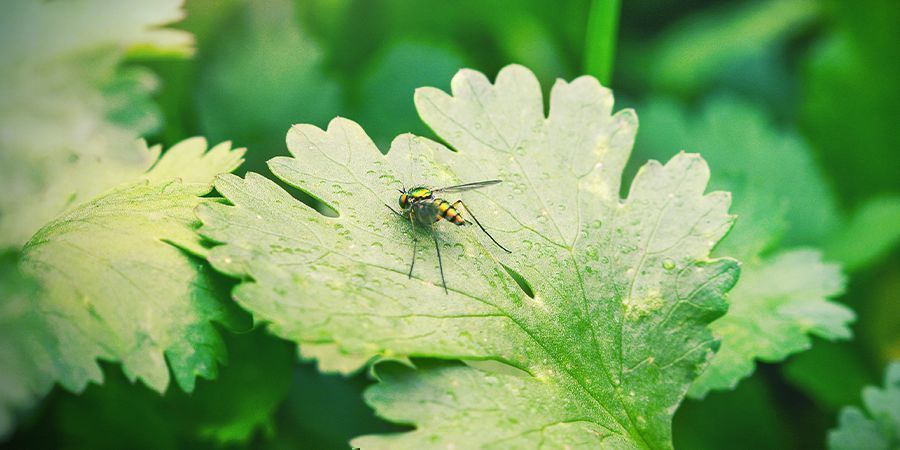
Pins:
x: 420, y: 193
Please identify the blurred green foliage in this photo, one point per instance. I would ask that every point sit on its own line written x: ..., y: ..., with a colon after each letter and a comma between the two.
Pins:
x: 823, y: 73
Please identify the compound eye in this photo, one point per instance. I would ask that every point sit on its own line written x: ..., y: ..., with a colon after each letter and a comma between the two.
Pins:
x: 403, y: 200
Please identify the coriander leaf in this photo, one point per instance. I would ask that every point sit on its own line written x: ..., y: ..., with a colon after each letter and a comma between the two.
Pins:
x: 450, y: 403
x: 623, y: 290
x: 116, y: 287
x: 263, y: 46
x: 784, y: 197
x: 68, y: 118
x: 774, y: 309
x: 244, y: 398
x: 783, y: 294
x: 880, y: 429
x: 25, y: 354
x: 233, y: 409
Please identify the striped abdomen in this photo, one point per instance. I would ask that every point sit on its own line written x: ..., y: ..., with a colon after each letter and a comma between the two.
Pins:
x: 446, y: 211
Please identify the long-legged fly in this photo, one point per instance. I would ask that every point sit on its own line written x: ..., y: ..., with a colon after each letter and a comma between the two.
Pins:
x: 421, y: 206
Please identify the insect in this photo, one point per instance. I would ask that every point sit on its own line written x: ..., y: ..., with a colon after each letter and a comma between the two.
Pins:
x: 421, y: 206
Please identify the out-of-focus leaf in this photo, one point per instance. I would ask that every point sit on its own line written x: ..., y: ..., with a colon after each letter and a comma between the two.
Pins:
x: 384, y: 92
x: 243, y: 400
x: 600, y: 41
x: 776, y: 308
x: 747, y: 417
x: 548, y: 37
x: 616, y: 330
x: 830, y: 373
x: 238, y: 406
x: 116, y: 415
x: 782, y: 296
x: 870, y: 234
x: 881, y: 330
x: 262, y: 73
x: 25, y: 354
x: 783, y: 194
x: 877, y: 428
x: 692, y: 53
x: 116, y: 287
x: 851, y: 98
x: 68, y: 121
x: 324, y: 411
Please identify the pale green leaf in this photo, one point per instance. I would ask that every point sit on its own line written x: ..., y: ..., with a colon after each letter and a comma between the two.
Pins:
x: 774, y: 309
x: 780, y: 195
x: 879, y: 427
x: 41, y: 32
x: 623, y: 289
x: 25, y: 352
x: 331, y: 359
x: 115, y: 287
x: 68, y: 121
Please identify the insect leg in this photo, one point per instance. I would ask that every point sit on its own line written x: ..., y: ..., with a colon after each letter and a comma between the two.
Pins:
x: 412, y: 223
x: 437, y: 248
x: 469, y: 211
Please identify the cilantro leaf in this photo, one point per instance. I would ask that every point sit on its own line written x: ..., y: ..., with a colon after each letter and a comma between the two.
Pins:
x: 230, y: 410
x: 115, y: 286
x: 881, y: 428
x: 623, y: 290
x: 775, y: 308
x: 25, y: 354
x: 69, y: 118
x: 782, y: 296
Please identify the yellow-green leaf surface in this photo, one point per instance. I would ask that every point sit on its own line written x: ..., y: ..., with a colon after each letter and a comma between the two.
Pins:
x: 116, y: 286
x: 25, y: 351
x: 69, y: 118
x: 879, y: 427
x: 783, y: 296
x: 623, y: 289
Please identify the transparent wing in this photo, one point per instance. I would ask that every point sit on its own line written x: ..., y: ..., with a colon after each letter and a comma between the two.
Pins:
x: 467, y: 186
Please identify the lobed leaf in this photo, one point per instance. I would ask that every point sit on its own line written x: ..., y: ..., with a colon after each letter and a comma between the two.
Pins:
x: 25, y: 351
x: 69, y: 118
x: 878, y: 430
x: 229, y: 411
x: 783, y: 295
x: 622, y: 289
x: 116, y: 287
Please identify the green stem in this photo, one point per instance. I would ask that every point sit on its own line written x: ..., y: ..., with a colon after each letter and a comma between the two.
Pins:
x: 600, y: 39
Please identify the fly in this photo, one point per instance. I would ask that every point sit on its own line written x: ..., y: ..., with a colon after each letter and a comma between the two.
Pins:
x: 421, y: 205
